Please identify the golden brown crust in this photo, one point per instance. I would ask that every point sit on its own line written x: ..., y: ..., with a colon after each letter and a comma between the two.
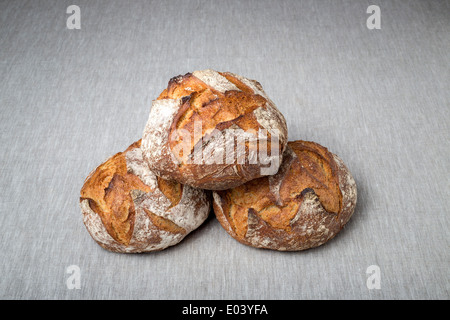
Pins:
x: 108, y: 191
x: 189, y: 114
x: 171, y: 189
x: 126, y: 208
x: 315, y: 169
x: 164, y: 224
x: 304, y: 205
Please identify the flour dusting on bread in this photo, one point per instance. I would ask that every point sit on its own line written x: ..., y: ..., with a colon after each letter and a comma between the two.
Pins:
x: 215, y: 80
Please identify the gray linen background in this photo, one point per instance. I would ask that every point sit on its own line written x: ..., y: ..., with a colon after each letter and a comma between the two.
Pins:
x: 378, y: 98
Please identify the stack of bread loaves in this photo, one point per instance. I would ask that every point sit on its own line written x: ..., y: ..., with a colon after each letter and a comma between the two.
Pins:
x: 217, y: 131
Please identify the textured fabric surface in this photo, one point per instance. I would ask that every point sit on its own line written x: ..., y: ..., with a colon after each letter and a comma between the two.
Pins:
x: 380, y: 99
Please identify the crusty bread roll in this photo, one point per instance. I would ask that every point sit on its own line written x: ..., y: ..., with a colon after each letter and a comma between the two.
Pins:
x: 304, y: 205
x: 127, y: 208
x: 214, y: 130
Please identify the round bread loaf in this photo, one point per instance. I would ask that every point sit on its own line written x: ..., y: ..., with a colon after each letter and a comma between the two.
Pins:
x: 214, y: 130
x: 304, y: 205
x: 127, y: 208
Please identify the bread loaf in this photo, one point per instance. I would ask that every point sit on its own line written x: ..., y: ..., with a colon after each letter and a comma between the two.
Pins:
x: 127, y: 208
x: 214, y: 130
x: 304, y: 205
